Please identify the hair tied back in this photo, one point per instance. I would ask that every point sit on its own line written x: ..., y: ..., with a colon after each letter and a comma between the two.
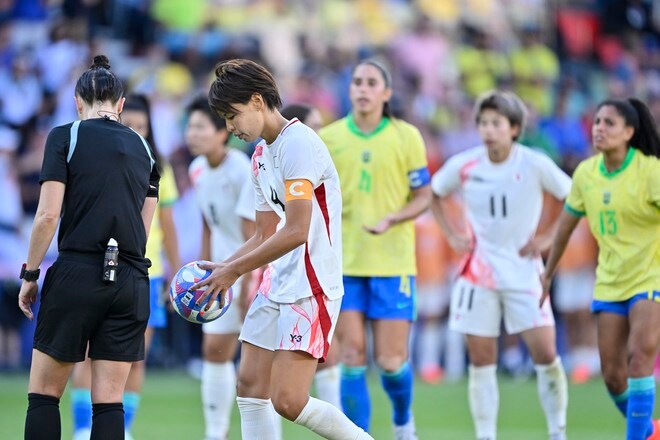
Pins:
x: 100, y: 62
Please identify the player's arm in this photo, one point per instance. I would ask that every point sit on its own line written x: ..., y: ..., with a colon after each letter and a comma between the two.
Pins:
x: 293, y: 234
x: 247, y: 228
x: 566, y: 224
x: 170, y: 241
x: 419, y: 202
x: 43, y: 230
x: 459, y: 242
x: 272, y: 245
x: 206, y: 240
x: 541, y: 243
x: 443, y: 184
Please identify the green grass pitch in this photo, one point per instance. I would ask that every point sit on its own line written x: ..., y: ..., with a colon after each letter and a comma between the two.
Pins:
x: 171, y: 409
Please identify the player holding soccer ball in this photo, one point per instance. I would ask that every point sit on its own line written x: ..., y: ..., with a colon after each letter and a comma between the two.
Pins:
x: 618, y: 190
x: 290, y: 324
x: 221, y: 178
x: 502, y: 184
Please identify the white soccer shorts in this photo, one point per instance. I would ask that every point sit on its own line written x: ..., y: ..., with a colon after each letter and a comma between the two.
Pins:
x: 479, y: 311
x: 304, y: 325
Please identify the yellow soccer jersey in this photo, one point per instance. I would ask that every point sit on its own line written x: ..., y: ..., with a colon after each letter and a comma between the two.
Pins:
x: 167, y: 195
x: 377, y: 173
x: 623, y: 210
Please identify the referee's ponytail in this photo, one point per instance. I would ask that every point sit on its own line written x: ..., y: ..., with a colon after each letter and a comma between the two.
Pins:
x: 99, y: 84
x: 638, y: 116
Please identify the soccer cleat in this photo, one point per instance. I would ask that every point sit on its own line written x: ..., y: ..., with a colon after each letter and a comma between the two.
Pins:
x: 127, y: 436
x: 406, y: 432
x: 656, y: 431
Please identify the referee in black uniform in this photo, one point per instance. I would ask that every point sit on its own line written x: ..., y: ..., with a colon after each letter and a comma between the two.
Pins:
x: 101, y: 178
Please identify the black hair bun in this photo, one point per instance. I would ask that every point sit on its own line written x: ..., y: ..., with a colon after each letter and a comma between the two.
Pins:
x: 100, y: 61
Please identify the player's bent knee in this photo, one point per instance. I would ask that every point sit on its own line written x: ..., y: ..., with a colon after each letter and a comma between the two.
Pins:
x: 289, y: 404
x: 390, y: 364
x: 545, y: 357
x: 615, y: 378
x: 641, y: 361
x: 352, y: 355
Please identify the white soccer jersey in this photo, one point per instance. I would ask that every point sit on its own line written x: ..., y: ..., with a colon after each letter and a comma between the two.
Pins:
x: 299, y: 154
x: 503, y: 203
x: 225, y: 196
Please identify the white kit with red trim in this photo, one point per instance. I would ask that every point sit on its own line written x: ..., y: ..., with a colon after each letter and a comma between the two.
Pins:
x: 300, y: 158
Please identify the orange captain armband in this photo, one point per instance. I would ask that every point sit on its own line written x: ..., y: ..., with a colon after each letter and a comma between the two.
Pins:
x: 298, y: 189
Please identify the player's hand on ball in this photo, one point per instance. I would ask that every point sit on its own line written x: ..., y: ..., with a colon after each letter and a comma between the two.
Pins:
x: 27, y: 297
x: 545, y: 283
x: 222, y: 278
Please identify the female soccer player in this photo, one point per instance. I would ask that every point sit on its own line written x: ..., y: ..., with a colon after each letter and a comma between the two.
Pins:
x: 618, y: 190
x: 136, y: 114
x: 223, y: 188
x: 385, y: 183
x: 326, y: 379
x: 502, y: 185
x: 290, y: 324
x: 105, y: 177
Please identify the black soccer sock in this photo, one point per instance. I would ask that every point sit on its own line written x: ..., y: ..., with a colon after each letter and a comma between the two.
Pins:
x: 42, y: 421
x: 107, y: 421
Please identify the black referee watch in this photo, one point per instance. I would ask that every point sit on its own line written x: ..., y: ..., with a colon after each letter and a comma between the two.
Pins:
x: 29, y: 275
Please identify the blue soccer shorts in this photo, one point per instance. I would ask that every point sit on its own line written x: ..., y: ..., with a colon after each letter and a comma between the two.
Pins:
x: 623, y: 307
x: 388, y: 298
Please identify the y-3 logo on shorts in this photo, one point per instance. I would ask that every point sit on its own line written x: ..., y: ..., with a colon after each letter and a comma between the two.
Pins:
x: 296, y: 338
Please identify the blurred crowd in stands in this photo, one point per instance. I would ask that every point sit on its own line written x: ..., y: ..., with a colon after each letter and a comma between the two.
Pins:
x: 561, y: 56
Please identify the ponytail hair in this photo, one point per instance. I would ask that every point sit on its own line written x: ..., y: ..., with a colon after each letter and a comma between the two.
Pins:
x: 387, y: 77
x: 99, y: 84
x: 638, y: 116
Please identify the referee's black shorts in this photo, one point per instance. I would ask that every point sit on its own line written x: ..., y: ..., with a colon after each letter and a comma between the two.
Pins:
x: 77, y: 307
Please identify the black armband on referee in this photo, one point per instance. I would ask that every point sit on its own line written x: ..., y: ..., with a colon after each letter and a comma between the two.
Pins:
x: 152, y: 191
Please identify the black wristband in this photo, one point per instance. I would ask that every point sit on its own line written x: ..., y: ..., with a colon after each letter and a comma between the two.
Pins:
x: 29, y: 275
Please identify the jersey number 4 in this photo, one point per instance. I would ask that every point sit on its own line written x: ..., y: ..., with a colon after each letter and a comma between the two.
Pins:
x: 494, y: 208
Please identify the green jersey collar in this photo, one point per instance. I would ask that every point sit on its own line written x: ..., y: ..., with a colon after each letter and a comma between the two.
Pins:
x: 624, y: 165
x: 352, y: 126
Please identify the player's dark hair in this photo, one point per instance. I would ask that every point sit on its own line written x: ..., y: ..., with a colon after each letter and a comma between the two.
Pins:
x: 638, y: 116
x: 138, y: 102
x: 99, y: 84
x: 201, y: 104
x: 387, y: 78
x: 236, y: 81
x: 300, y: 111
x: 505, y: 103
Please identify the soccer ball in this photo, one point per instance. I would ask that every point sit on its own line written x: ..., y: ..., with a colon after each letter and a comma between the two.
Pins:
x: 183, y: 300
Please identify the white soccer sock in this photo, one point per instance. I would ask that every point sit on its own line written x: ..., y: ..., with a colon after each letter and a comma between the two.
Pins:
x: 218, y: 394
x: 553, y: 393
x: 326, y: 382
x: 277, y: 419
x: 256, y: 419
x: 430, y: 344
x: 329, y: 422
x: 484, y: 400
x: 454, y: 355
